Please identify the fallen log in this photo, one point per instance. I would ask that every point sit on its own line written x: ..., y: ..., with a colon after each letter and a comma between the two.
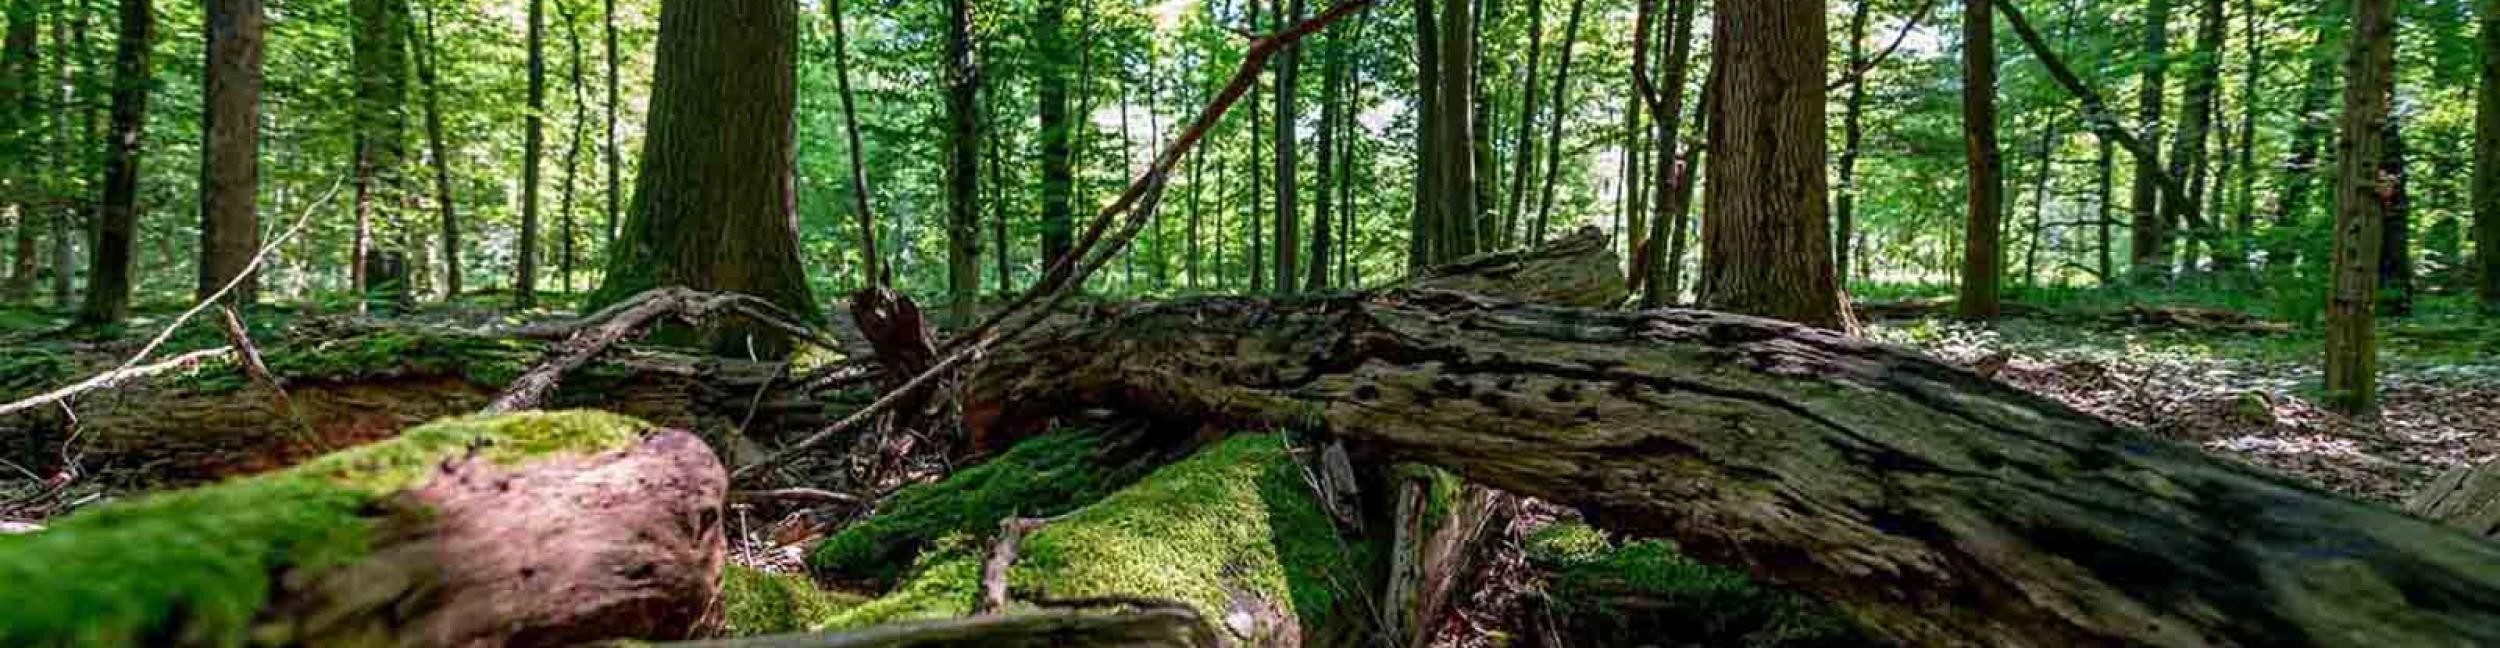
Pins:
x: 1933, y: 506
x: 2467, y: 497
x: 413, y: 541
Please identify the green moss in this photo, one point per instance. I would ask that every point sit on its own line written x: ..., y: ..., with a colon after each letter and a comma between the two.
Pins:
x: 26, y: 370
x: 192, y: 567
x: 756, y: 602
x: 387, y: 353
x: 1040, y: 477
x: 1237, y: 516
x: 1691, y: 603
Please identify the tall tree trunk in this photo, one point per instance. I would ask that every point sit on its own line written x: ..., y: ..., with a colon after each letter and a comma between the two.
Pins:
x: 1003, y: 257
x: 2361, y: 206
x: 1255, y: 234
x: 426, y: 48
x: 2310, y: 130
x: 567, y: 238
x: 1853, y: 134
x: 2487, y: 158
x: 1553, y: 126
x: 533, y: 147
x: 871, y: 273
x: 2244, y: 196
x: 2395, y: 252
x: 108, y: 286
x: 1522, y: 148
x: 1460, y: 212
x: 69, y: 34
x: 1058, y: 170
x: 963, y: 191
x: 230, y: 150
x: 1288, y: 155
x: 1680, y: 204
x: 1666, y: 112
x: 1423, y: 245
x: 713, y: 208
x: 1769, y: 238
x: 2149, y: 257
x: 616, y: 155
x: 2050, y: 135
x: 1197, y: 187
x: 20, y: 140
x: 1323, y: 206
x: 2187, y: 149
x: 2103, y: 216
x: 1983, y: 262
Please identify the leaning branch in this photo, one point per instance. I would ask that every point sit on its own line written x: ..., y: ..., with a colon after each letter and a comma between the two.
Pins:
x: 2104, y: 123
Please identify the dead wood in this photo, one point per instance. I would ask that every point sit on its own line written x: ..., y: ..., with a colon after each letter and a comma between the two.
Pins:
x: 1159, y: 627
x: 594, y: 335
x: 2467, y: 497
x: 1934, y: 506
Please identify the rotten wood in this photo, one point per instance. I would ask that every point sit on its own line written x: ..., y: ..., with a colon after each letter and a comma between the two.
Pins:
x: 588, y: 338
x: 1934, y: 506
x: 2467, y: 497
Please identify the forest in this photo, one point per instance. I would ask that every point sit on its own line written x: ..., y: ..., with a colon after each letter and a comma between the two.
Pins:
x: 1199, y: 323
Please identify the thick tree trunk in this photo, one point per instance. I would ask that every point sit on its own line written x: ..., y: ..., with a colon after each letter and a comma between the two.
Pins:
x: 117, y: 220
x: 2361, y: 206
x: 1288, y: 155
x: 1769, y: 238
x: 872, y: 271
x: 2149, y: 257
x: 963, y: 189
x: 627, y: 518
x: 1460, y: 211
x: 21, y: 139
x: 230, y: 151
x: 533, y: 147
x: 2487, y: 158
x: 440, y: 150
x: 1936, y: 507
x: 723, y: 97
x: 1983, y: 262
x: 1058, y: 170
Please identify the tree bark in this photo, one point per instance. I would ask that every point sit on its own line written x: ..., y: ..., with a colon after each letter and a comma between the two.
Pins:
x: 1457, y: 189
x: 2149, y: 257
x: 1932, y: 505
x: 533, y: 147
x: 1288, y: 155
x: 963, y: 190
x: 108, y: 283
x: 2361, y: 205
x: 2487, y: 158
x: 1058, y: 171
x: 425, y: 47
x: 2196, y: 112
x: 1853, y: 134
x: 1553, y: 126
x: 724, y: 94
x: 872, y: 272
x: 1667, y: 116
x: 1523, y: 148
x: 2395, y: 252
x: 1331, y: 115
x: 21, y: 193
x: 69, y: 32
x: 230, y: 151
x: 1423, y: 245
x: 615, y: 155
x: 1769, y: 240
x: 1983, y: 260
x: 566, y: 237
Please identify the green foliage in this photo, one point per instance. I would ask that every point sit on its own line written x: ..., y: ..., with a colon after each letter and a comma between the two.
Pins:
x: 1686, y: 602
x: 1040, y: 477
x: 193, y: 567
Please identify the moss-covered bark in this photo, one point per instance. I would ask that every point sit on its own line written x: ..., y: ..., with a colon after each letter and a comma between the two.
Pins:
x: 227, y: 564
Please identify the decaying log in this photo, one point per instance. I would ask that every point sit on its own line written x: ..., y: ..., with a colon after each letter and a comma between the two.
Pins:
x: 1167, y: 627
x: 1935, y: 507
x: 532, y: 529
x: 2467, y: 497
x: 1576, y: 270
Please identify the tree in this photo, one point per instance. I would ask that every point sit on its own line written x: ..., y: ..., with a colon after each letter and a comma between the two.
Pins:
x: 426, y: 52
x: 615, y: 155
x: 2487, y: 157
x: 2299, y: 169
x: 963, y: 189
x: 2395, y: 252
x: 1666, y: 112
x: 1460, y: 211
x: 20, y: 138
x: 566, y: 237
x: 1288, y: 154
x: 871, y: 271
x: 1983, y: 259
x: 230, y: 150
x: 1331, y: 163
x: 1523, y: 149
x: 381, y: 88
x: 2196, y: 114
x: 1423, y: 244
x: 2361, y: 205
x: 713, y: 208
x: 1769, y: 240
x: 1852, y: 137
x: 2149, y: 257
x: 533, y: 147
x: 1553, y: 126
x: 1058, y: 162
x: 108, y: 285
x: 69, y: 36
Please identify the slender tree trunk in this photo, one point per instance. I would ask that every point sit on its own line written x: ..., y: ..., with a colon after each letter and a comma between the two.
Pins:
x: 2244, y: 199
x: 963, y: 215
x: 1323, y: 207
x: 533, y: 146
x: 1983, y: 263
x: 20, y: 141
x: 2361, y: 204
x: 714, y: 206
x: 1553, y: 127
x: 108, y: 287
x: 1255, y: 234
x: 1523, y: 148
x: 2310, y: 130
x: 1423, y: 246
x: 1288, y: 155
x: 2049, y: 137
x: 1680, y: 204
x: 567, y: 237
x: 230, y: 150
x: 1058, y: 171
x: 1632, y: 199
x: 1458, y: 190
x: 1769, y: 240
x: 2187, y: 149
x: 1666, y: 106
x: 2487, y: 158
x: 2103, y: 216
x: 425, y: 46
x: 1197, y: 186
x: 871, y: 272
x: 1853, y: 134
x: 69, y: 31
x: 2395, y: 253
x: 2149, y: 257
x: 999, y: 191
x: 616, y: 154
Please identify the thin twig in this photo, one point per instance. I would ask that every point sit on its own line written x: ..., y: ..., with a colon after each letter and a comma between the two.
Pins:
x: 1858, y: 69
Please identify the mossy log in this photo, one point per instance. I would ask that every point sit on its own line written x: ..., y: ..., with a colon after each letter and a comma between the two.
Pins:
x: 1161, y: 628
x: 1935, y: 507
x: 521, y: 529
